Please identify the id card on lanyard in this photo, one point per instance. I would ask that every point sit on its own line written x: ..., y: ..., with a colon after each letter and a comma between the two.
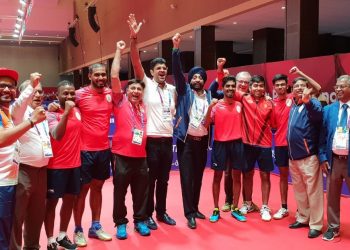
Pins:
x: 137, y: 134
x: 166, y: 113
x: 341, y: 138
x: 45, y: 140
x: 197, y: 117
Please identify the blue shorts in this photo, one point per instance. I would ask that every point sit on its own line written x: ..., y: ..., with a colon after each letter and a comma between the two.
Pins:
x: 281, y: 156
x: 95, y: 165
x: 260, y: 155
x: 63, y: 181
x: 228, y: 154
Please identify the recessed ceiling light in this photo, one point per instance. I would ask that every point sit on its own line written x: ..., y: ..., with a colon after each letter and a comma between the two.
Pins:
x: 21, y: 12
x: 16, y: 31
x: 145, y: 51
x: 191, y: 37
x: 155, y: 48
x: 14, y: 35
x: 252, y: 39
x: 36, y: 34
x: 17, y: 25
x: 283, y: 7
x: 234, y: 23
x: 22, y: 2
x: 19, y: 19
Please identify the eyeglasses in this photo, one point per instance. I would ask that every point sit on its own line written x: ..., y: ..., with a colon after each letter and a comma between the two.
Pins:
x: 242, y: 81
x: 341, y: 86
x: 6, y: 85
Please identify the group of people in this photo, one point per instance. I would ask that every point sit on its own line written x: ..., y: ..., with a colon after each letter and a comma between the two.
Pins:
x: 65, y: 152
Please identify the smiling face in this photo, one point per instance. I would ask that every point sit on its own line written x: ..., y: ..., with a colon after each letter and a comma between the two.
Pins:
x: 38, y: 97
x: 257, y: 89
x: 7, y: 90
x: 242, y: 80
x: 134, y: 92
x: 159, y: 72
x: 98, y: 78
x: 298, y: 88
x: 229, y: 89
x: 342, y: 90
x: 197, y: 82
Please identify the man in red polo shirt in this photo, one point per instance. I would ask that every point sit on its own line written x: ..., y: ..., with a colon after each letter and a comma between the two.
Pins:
x: 63, y: 174
x: 95, y: 104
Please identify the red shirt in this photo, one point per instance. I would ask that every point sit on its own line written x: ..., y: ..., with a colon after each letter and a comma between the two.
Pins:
x: 96, y: 109
x: 282, y: 108
x: 228, y: 121
x: 66, y: 152
x: 258, y: 119
x: 127, y: 119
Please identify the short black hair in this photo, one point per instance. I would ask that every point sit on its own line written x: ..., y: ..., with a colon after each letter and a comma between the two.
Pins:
x: 279, y: 77
x: 300, y: 79
x: 155, y: 61
x: 132, y: 81
x: 227, y: 79
x: 257, y: 78
x: 96, y: 66
x: 64, y: 83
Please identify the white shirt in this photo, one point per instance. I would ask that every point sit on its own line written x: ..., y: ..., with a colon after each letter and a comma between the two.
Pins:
x: 8, y: 167
x: 199, y: 109
x: 334, y: 149
x: 30, y: 144
x: 157, y: 99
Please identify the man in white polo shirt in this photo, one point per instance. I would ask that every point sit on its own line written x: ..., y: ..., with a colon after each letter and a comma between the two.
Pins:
x: 159, y: 98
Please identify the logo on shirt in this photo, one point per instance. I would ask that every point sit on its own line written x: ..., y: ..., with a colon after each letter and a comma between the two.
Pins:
x: 108, y: 98
x: 288, y: 102
x: 77, y: 115
x: 238, y: 108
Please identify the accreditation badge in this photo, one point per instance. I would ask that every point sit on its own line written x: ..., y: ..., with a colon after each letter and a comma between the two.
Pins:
x: 196, y: 121
x: 137, y: 136
x: 47, y: 149
x: 341, y: 138
x: 166, y: 114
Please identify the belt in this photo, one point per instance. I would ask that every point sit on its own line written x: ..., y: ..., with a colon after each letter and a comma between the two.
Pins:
x: 196, y: 138
x: 159, y: 139
x: 340, y: 157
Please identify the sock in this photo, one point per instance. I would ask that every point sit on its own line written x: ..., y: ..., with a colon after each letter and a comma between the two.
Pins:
x: 96, y: 225
x: 284, y: 206
x: 61, y: 235
x: 51, y: 240
x: 78, y: 229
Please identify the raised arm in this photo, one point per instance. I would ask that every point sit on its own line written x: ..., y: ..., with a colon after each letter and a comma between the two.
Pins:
x: 116, y: 85
x: 19, y: 107
x: 207, y: 119
x: 58, y: 131
x: 9, y: 135
x: 134, y: 51
x: 179, y: 78
x: 313, y: 83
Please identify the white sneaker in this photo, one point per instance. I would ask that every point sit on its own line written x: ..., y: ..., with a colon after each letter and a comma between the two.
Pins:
x: 79, y: 239
x: 265, y: 213
x: 281, y: 213
x: 247, y: 208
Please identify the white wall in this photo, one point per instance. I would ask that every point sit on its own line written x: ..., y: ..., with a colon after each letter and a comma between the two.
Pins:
x: 28, y: 59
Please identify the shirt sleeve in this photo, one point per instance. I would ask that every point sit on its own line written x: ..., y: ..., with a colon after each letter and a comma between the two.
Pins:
x: 18, y: 108
x: 52, y: 119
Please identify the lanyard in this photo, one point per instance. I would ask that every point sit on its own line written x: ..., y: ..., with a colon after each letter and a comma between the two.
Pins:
x: 161, y: 98
x: 135, y: 115
x: 7, y: 120
x: 37, y: 130
x: 195, y: 105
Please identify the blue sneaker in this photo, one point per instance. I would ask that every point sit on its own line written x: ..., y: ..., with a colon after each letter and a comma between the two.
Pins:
x: 238, y: 215
x: 142, y: 229
x: 121, y: 232
x: 215, y: 216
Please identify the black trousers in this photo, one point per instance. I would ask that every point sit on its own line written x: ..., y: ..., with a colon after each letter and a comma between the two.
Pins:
x: 133, y: 172
x: 192, y: 157
x: 159, y: 159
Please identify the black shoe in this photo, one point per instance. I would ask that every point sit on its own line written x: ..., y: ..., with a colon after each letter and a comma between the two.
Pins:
x: 297, y: 224
x: 66, y: 243
x: 330, y: 234
x: 313, y: 233
x: 151, y: 224
x: 191, y: 223
x: 199, y: 215
x: 165, y: 218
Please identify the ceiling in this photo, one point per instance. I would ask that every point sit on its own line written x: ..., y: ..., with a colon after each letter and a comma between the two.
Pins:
x: 48, y: 23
